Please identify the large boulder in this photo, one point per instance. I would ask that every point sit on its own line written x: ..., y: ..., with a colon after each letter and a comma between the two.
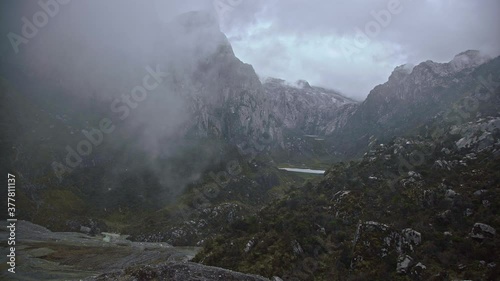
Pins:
x: 481, y: 231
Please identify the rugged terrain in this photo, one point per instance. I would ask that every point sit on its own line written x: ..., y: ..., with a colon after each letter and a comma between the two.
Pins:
x: 419, y: 206
x: 196, y: 164
x: 410, y: 98
x: 416, y: 208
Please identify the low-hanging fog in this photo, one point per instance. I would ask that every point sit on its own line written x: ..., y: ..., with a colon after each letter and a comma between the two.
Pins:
x: 96, y: 54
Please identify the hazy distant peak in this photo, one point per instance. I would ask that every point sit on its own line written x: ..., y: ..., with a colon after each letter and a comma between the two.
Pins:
x: 401, y: 71
x: 303, y: 84
x: 299, y: 84
x: 271, y: 80
x: 468, y: 59
x: 469, y: 54
x: 404, y: 68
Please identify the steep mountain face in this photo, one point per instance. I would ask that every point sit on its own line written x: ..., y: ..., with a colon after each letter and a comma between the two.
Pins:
x: 410, y: 97
x: 306, y: 109
x: 320, y: 123
x: 225, y: 96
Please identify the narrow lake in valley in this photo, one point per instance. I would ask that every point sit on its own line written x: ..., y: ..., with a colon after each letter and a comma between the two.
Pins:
x: 306, y: 171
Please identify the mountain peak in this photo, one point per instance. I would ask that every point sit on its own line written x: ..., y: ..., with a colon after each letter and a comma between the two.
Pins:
x: 468, y: 59
x: 404, y: 68
x: 303, y: 84
x: 401, y: 71
x: 469, y: 54
x: 300, y: 84
x: 272, y: 80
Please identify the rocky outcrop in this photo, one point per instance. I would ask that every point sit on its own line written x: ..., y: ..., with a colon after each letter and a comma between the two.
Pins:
x: 48, y: 255
x: 479, y: 135
x: 481, y: 231
x: 404, y: 262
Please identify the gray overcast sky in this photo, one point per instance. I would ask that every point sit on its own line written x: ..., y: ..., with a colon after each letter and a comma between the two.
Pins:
x: 308, y: 39
x: 298, y: 39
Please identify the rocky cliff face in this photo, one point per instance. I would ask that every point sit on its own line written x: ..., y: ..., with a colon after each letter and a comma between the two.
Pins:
x: 224, y: 95
x: 410, y: 97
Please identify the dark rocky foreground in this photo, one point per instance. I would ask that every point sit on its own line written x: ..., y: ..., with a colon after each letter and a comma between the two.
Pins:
x: 176, y: 271
x: 45, y: 255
